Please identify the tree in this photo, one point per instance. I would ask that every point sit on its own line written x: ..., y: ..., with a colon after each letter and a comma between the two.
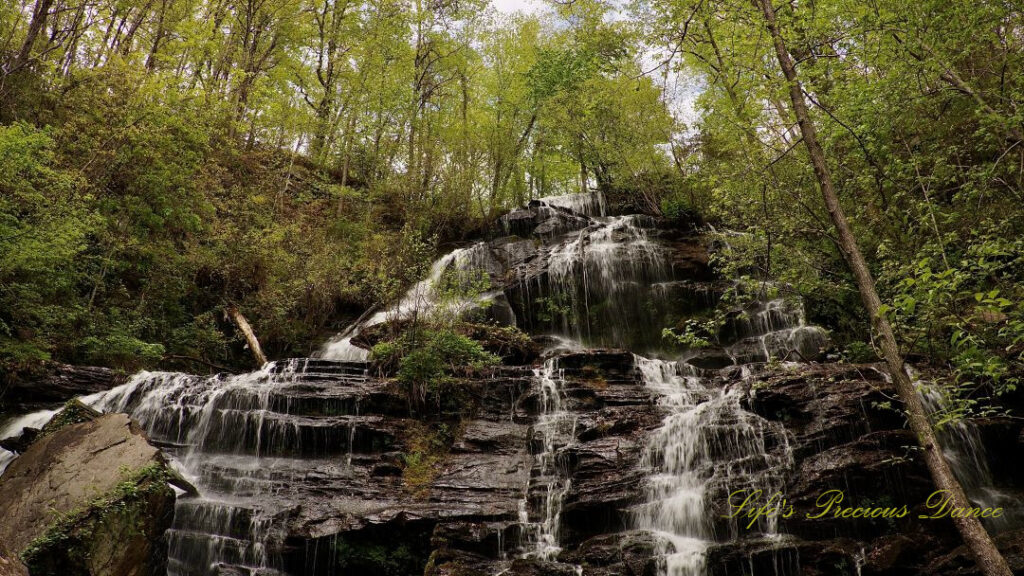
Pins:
x: 977, y: 539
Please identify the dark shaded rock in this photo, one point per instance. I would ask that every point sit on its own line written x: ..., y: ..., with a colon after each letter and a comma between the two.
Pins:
x: 534, y: 567
x: 20, y: 443
x: 482, y: 539
x: 1003, y: 439
x: 960, y: 563
x: 452, y: 562
x: 826, y: 405
x: 873, y: 471
x: 624, y: 553
x: 542, y: 220
x: 55, y: 383
x: 689, y: 255
x: 400, y: 547
x: 905, y: 553
x: 751, y: 556
x: 606, y: 477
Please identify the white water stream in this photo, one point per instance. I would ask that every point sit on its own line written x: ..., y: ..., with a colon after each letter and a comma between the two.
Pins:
x: 556, y: 427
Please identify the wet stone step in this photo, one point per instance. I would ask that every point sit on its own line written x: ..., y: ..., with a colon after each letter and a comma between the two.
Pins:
x: 303, y: 398
x: 237, y: 570
x: 196, y: 549
x: 318, y: 366
x: 224, y: 519
x: 332, y: 380
x: 242, y: 476
x: 274, y: 434
x: 329, y: 400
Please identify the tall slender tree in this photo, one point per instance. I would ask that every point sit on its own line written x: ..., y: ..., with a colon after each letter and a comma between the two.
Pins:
x: 977, y: 539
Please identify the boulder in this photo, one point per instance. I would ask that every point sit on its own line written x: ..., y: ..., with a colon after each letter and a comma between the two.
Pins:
x: 90, y: 497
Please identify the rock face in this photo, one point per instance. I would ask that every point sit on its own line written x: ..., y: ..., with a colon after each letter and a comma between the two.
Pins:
x: 87, y: 498
x: 576, y: 457
x: 54, y: 384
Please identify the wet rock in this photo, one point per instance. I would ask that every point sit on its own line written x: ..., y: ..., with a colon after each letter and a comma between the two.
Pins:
x: 534, y: 567
x: 112, y: 486
x: 689, y: 255
x: 541, y: 220
x: 606, y: 474
x: 630, y: 552
x: 904, y: 553
x: 20, y: 443
x: 784, y: 556
x: 1004, y: 441
x: 53, y: 384
x: 960, y: 563
x: 452, y: 562
x: 826, y: 405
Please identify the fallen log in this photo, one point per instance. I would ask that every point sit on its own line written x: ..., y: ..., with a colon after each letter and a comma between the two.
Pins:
x: 250, y: 336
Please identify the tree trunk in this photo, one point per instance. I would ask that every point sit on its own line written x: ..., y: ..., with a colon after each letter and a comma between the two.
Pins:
x: 977, y: 539
x: 39, y: 16
x: 158, y: 36
x: 250, y: 337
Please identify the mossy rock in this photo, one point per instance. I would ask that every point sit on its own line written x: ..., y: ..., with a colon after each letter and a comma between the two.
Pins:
x: 74, y: 412
x: 88, y: 497
x: 118, y: 534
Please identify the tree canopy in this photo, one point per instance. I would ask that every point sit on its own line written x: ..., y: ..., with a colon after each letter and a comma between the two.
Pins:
x: 167, y: 159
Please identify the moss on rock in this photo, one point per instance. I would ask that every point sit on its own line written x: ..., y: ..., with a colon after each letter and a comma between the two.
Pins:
x: 114, y: 534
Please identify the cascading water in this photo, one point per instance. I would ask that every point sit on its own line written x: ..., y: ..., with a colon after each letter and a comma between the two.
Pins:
x: 422, y: 297
x: 247, y: 442
x: 965, y: 452
x: 16, y: 426
x: 253, y: 443
x: 708, y: 446
x: 675, y: 496
x: 556, y: 428
x: 598, y: 286
x: 592, y: 204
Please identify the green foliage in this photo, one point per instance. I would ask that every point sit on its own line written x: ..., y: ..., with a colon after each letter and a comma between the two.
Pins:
x: 384, y: 559
x: 300, y: 160
x: 428, y: 363
x: 694, y: 333
x: 386, y: 551
x: 924, y: 147
x: 550, y: 309
x: 426, y: 444
x: 73, y: 412
x: 45, y: 224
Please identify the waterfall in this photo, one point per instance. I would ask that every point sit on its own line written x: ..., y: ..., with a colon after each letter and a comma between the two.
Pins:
x: 16, y: 426
x: 965, y: 452
x: 676, y: 493
x: 556, y: 427
x: 422, y: 298
x: 262, y: 445
x: 707, y: 447
x: 600, y: 285
x: 247, y: 442
x: 592, y: 204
